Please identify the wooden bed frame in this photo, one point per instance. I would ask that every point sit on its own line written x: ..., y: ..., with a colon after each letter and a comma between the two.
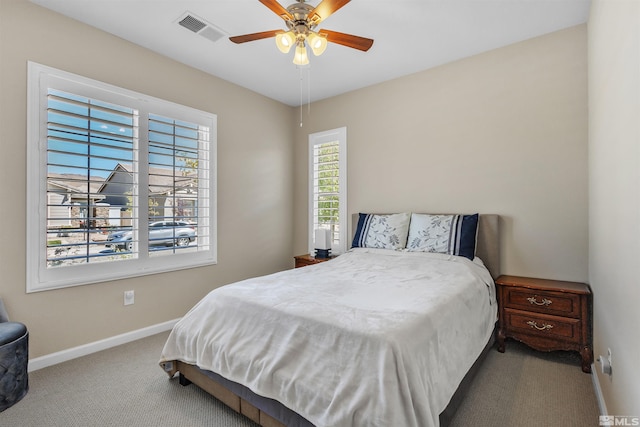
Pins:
x: 270, y: 413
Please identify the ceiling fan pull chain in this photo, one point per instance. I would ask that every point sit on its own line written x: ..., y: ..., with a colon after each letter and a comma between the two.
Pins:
x: 300, y: 69
x: 309, y: 92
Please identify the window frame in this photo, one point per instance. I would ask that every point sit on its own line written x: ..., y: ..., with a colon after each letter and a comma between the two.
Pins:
x: 39, y: 277
x: 333, y: 135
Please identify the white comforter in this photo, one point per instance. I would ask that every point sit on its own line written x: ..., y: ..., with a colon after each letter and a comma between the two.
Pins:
x: 372, y: 338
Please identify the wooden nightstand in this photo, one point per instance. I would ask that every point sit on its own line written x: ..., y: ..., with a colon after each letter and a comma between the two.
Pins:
x: 304, y: 260
x: 546, y: 315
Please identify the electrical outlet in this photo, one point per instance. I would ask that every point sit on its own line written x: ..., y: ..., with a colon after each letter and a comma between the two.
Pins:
x: 129, y: 297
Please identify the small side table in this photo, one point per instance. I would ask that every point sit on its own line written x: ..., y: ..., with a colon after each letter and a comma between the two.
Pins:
x: 546, y: 315
x: 307, y: 259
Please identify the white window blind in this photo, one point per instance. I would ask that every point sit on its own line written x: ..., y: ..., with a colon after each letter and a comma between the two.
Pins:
x: 114, y: 176
x: 327, y: 187
x: 178, y: 184
x: 87, y: 140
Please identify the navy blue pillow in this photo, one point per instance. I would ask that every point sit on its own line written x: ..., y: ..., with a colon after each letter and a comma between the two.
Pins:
x: 465, y: 239
x: 358, y: 238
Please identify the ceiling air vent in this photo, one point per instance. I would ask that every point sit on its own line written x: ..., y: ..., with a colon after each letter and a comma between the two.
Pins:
x: 201, y: 27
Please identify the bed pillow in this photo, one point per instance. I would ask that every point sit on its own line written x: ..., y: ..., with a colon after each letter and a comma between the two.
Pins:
x: 445, y: 234
x: 382, y: 231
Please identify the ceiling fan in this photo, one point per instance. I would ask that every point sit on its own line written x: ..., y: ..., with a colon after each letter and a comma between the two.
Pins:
x: 301, y: 20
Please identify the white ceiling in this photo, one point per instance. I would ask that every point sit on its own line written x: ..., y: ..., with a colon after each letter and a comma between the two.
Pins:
x: 410, y: 36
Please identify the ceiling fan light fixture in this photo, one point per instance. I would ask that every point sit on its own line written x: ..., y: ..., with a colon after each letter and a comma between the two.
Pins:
x: 285, y: 41
x: 317, y: 43
x: 301, y: 19
x: 300, y: 57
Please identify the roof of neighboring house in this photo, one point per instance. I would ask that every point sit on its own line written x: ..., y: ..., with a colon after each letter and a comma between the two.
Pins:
x: 76, y: 184
x: 161, y: 180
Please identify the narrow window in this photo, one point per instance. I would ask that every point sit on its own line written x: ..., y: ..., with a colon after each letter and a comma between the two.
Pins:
x: 328, y: 187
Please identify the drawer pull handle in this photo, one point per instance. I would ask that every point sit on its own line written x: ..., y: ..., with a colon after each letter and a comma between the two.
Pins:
x: 544, y: 327
x: 534, y: 300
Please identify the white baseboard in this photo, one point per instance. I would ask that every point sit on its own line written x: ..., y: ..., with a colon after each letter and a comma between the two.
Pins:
x: 596, y: 388
x: 83, y: 350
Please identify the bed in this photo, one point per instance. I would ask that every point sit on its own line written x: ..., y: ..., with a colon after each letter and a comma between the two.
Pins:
x: 381, y: 335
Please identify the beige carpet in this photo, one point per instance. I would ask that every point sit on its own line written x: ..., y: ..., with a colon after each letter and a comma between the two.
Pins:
x: 526, y: 388
x: 124, y: 386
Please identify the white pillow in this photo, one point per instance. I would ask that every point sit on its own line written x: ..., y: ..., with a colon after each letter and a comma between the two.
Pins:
x: 429, y: 233
x: 445, y: 234
x: 382, y: 231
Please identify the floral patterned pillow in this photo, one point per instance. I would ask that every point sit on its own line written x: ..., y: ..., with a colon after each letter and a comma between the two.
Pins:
x: 445, y: 234
x: 382, y: 231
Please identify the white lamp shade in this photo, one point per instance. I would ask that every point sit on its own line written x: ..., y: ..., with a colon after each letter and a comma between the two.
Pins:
x: 300, y: 57
x: 317, y: 43
x: 322, y: 239
x: 285, y: 41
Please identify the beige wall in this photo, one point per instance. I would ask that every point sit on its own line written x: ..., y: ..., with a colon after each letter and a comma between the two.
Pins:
x: 614, y: 196
x: 255, y: 161
x: 502, y: 132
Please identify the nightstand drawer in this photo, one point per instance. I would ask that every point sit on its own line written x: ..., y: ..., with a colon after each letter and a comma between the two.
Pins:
x: 559, y: 303
x: 543, y: 326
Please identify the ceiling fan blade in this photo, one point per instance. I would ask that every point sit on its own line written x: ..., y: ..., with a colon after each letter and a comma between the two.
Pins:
x: 324, y: 9
x: 254, y: 36
x: 356, y: 42
x: 277, y: 9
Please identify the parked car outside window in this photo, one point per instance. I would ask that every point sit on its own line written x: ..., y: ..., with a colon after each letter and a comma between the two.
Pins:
x: 161, y: 233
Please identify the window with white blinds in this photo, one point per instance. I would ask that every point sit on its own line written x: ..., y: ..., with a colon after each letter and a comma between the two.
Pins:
x: 327, y: 187
x: 114, y: 178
